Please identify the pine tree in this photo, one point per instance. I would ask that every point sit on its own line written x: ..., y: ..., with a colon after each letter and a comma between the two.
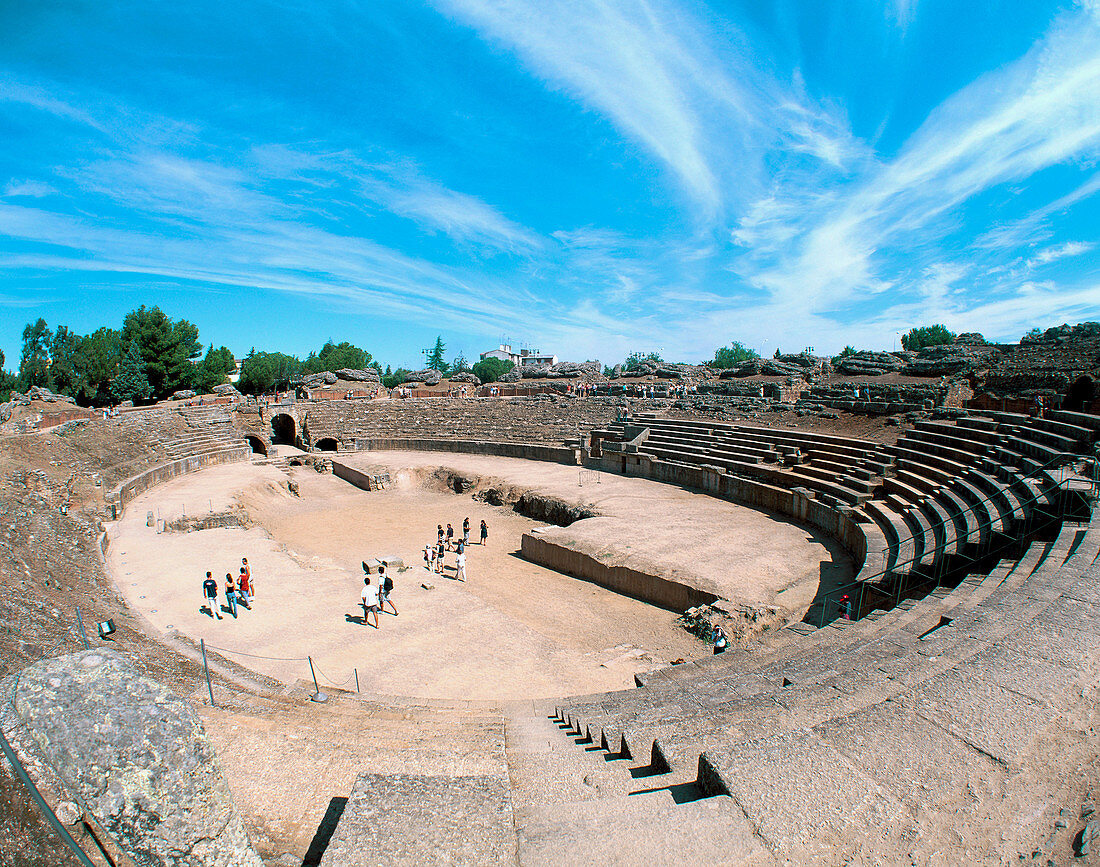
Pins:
x: 131, y: 383
x: 436, y: 361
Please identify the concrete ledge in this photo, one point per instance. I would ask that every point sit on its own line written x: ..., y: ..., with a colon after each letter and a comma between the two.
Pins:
x: 655, y: 590
x: 526, y: 451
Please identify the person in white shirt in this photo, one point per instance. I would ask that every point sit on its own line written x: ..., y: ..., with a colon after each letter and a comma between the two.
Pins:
x: 369, y: 601
x: 460, y: 572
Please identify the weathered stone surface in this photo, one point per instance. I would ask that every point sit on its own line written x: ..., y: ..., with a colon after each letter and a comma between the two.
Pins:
x: 226, y: 388
x: 184, y: 394
x: 428, y: 376
x: 1065, y: 333
x: 573, y: 369
x: 410, y: 819
x: 534, y: 371
x: 762, y: 367
x: 465, y: 376
x: 366, y: 375
x: 326, y: 377
x: 867, y: 363
x: 37, y: 393
x: 135, y: 757
x: 513, y: 375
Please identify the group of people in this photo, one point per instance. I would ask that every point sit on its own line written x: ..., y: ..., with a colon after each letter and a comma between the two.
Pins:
x: 376, y: 596
x: 239, y: 590
x: 435, y: 555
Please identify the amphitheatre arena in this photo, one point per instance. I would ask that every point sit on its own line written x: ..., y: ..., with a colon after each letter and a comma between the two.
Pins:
x: 904, y: 555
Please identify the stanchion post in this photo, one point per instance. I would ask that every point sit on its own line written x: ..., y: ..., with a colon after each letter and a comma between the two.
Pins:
x: 80, y: 626
x: 206, y: 671
x: 317, y: 694
x: 356, y: 670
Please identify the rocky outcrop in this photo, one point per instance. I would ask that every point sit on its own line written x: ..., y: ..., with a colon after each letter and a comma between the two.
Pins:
x: 368, y: 374
x: 763, y: 367
x: 226, y: 389
x: 513, y: 375
x: 868, y: 363
x: 134, y: 757
x: 428, y: 376
x: 950, y: 358
x: 573, y: 369
x: 325, y: 377
x: 1065, y: 333
x: 465, y: 377
x: 37, y: 393
x: 185, y: 394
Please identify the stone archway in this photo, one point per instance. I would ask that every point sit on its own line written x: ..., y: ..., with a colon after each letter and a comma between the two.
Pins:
x: 258, y: 446
x: 1081, y: 394
x: 284, y: 431
x: 327, y: 444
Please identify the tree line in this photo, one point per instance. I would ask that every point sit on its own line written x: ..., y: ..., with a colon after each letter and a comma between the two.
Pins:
x: 151, y: 356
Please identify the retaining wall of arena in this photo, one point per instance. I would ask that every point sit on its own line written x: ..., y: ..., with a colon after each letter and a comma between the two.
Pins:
x: 795, y: 504
x: 526, y: 451
x: 140, y: 483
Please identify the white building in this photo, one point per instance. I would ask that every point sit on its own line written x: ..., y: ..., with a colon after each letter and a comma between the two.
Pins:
x: 523, y: 358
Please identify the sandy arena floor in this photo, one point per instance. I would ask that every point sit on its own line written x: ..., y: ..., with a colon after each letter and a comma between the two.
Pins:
x: 514, y: 630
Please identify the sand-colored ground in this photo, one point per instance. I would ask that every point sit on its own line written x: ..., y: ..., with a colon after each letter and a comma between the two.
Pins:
x: 514, y: 630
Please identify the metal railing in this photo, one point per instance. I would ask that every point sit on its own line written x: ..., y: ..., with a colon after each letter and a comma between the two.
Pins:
x: 859, y: 592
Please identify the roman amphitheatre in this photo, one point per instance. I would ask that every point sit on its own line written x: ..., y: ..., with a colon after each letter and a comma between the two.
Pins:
x: 902, y: 550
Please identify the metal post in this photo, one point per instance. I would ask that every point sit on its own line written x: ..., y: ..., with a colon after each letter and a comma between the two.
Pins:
x: 80, y: 626
x: 356, y: 670
x: 206, y: 671
x: 317, y: 694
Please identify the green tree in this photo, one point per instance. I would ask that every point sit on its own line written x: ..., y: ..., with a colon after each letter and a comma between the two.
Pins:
x: 131, y: 383
x: 34, y: 363
x: 394, y: 378
x: 214, y: 369
x: 460, y: 364
x: 491, y: 369
x: 334, y: 356
x: 97, y: 357
x: 263, y: 371
x: 778, y: 354
x: 929, y: 335
x: 728, y: 356
x: 166, y: 346
x: 436, y: 360
x: 7, y: 380
x: 636, y: 359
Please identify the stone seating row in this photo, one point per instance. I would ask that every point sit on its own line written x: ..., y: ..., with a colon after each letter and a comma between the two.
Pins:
x: 734, y: 714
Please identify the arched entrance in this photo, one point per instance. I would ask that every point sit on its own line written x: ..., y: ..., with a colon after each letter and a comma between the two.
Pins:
x: 258, y: 446
x: 283, y: 430
x: 327, y: 444
x: 1081, y: 394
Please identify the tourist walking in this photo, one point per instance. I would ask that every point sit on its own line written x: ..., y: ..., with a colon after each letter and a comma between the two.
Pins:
x: 385, y: 587
x: 460, y: 569
x: 369, y: 600
x: 243, y: 589
x: 484, y: 532
x: 231, y: 594
x: 210, y: 596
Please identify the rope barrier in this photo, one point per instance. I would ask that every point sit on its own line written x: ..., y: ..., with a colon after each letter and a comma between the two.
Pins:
x: 258, y: 656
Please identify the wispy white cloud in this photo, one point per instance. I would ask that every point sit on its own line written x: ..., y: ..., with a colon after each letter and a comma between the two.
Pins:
x: 1060, y: 251
x: 28, y: 188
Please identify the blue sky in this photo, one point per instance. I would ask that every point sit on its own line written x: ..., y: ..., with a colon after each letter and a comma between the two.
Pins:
x: 588, y: 178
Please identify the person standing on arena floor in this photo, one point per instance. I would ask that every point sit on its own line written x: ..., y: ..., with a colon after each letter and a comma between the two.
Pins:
x: 450, y: 535
x: 210, y: 596
x: 439, y: 533
x: 231, y: 594
x: 466, y: 530
x: 460, y: 568
x: 484, y: 532
x: 244, y: 590
x: 429, y: 557
x: 369, y: 600
x: 385, y: 588
x: 440, y: 551
x: 251, y: 584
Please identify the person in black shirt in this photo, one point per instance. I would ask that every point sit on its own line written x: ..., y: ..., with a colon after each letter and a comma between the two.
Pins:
x: 210, y: 596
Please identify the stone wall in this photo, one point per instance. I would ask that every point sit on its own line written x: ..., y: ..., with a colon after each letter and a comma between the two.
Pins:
x: 130, y: 489
x: 526, y: 451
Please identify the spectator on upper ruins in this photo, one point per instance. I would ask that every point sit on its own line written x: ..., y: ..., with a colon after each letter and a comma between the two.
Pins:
x: 210, y: 596
x: 721, y: 640
x: 484, y: 532
x: 369, y: 600
x: 231, y: 594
